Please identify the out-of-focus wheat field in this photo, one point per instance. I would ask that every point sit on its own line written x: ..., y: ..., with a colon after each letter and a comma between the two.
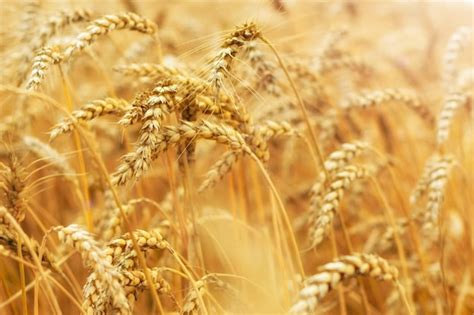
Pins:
x: 236, y: 157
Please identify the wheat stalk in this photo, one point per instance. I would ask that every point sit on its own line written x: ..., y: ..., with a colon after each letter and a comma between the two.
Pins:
x: 46, y: 152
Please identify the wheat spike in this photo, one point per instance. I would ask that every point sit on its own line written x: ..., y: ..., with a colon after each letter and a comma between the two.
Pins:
x: 265, y: 70
x: 231, y: 46
x: 191, y: 304
x: 456, y: 43
x: 134, y: 164
x: 13, y: 186
x: 94, y: 256
x: 106, y: 24
x: 378, y: 97
x: 45, y: 57
x: 9, y: 245
x: 148, y: 70
x: 331, y: 274
x: 219, y: 169
x: 121, y: 253
x: 451, y: 103
x: 334, y: 163
x: 88, y: 112
x: 438, y: 179
x: 331, y: 200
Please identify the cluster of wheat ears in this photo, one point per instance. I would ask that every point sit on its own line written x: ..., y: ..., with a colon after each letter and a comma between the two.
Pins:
x: 173, y: 157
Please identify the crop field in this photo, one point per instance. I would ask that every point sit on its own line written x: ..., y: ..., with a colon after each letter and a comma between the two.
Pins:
x: 236, y: 157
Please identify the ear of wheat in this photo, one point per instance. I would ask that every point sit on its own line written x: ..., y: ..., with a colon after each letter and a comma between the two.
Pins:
x: 90, y: 111
x: 258, y: 143
x: 43, y: 60
x: 335, y: 162
x: 13, y: 188
x: 322, y: 220
x: 134, y: 164
x: 231, y: 46
x: 378, y: 97
x: 47, y: 31
x: 104, y: 25
x: 10, y: 246
x: 191, y: 305
x: 148, y: 70
x: 331, y: 274
x: 436, y: 185
x: 456, y: 43
x: 108, y: 277
x: 120, y: 250
x: 451, y: 103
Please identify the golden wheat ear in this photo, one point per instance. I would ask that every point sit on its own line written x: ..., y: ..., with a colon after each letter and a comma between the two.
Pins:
x: 316, y: 287
x: 95, y: 257
x: 88, y: 112
x: 232, y: 45
x: 340, y: 182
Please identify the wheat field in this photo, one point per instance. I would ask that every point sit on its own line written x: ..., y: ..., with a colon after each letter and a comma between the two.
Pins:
x: 236, y: 157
